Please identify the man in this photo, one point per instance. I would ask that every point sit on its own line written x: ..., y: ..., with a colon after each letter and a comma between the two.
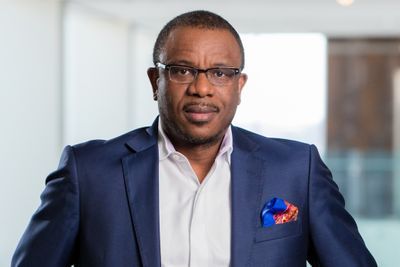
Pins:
x: 192, y: 190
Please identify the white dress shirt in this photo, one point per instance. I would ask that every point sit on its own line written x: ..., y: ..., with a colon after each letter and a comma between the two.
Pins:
x: 195, y: 218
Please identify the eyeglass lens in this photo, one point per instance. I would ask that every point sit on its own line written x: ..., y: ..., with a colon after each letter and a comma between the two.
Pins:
x: 216, y: 76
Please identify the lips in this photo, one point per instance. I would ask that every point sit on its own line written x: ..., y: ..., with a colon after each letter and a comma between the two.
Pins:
x: 200, y: 112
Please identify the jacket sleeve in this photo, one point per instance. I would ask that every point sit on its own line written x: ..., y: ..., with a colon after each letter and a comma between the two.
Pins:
x: 50, y: 236
x: 334, y: 237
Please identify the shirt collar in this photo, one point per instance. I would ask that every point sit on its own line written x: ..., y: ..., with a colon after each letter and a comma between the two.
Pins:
x: 166, y: 148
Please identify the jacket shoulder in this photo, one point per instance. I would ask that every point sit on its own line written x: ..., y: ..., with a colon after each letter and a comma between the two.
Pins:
x: 269, y: 143
x: 117, y: 145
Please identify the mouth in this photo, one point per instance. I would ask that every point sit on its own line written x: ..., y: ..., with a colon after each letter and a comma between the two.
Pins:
x: 200, y: 112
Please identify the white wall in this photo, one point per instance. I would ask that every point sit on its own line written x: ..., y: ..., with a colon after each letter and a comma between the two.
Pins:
x: 106, y: 87
x: 142, y: 107
x: 364, y: 18
x: 285, y: 94
x: 96, y: 88
x: 30, y: 143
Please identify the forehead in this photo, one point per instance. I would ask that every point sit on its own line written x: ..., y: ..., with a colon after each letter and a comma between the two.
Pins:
x: 200, y: 44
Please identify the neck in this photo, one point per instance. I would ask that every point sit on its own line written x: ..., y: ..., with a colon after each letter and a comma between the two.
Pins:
x: 201, y: 157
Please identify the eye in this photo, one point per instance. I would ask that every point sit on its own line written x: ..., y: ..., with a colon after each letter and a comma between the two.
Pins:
x: 181, y: 71
x: 219, y: 73
x: 222, y: 73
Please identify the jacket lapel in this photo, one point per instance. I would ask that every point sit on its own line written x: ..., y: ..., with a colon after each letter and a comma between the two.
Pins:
x: 141, y: 181
x: 247, y: 170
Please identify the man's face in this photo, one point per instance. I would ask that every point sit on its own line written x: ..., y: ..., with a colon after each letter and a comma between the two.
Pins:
x: 199, y: 112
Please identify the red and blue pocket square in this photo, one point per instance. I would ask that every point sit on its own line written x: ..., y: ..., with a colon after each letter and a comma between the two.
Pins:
x: 278, y: 211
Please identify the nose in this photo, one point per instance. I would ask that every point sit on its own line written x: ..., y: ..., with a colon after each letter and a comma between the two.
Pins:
x: 201, y: 87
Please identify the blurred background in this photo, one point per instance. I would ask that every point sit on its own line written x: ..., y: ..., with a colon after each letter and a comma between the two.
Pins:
x: 321, y: 71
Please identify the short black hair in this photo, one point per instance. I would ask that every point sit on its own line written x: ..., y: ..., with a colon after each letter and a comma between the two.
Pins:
x: 197, y: 19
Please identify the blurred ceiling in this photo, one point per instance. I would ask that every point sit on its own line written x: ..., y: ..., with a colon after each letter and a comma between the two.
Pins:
x: 365, y: 18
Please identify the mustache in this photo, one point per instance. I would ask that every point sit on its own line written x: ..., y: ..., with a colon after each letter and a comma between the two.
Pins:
x: 200, y: 107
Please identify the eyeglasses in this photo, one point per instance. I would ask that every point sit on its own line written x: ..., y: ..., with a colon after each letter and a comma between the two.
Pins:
x: 186, y: 75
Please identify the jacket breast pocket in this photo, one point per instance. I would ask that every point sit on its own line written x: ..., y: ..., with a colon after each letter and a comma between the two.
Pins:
x: 278, y: 231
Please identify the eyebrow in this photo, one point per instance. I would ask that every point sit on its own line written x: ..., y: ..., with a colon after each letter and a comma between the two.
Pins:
x: 180, y: 62
x: 190, y: 64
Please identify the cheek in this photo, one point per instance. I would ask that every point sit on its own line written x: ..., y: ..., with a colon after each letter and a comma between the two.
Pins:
x: 239, y: 97
x: 169, y: 100
x: 232, y: 100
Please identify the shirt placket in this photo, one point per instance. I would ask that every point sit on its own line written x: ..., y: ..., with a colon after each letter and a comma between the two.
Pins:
x: 198, y: 243
x: 198, y: 235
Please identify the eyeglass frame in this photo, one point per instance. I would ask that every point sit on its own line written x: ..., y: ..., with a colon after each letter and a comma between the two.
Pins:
x: 167, y: 67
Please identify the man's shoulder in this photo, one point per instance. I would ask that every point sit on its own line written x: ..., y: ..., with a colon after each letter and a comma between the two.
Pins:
x: 264, y: 140
x: 266, y: 145
x: 116, y: 145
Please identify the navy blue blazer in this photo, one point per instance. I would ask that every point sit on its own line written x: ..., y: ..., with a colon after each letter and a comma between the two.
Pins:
x: 100, y: 208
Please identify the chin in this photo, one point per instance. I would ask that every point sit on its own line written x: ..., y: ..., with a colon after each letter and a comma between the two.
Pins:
x: 196, y: 138
x: 192, y: 134
x: 200, y: 140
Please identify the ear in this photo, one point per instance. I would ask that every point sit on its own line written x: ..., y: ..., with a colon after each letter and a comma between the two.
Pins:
x: 241, y: 82
x: 153, y: 75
